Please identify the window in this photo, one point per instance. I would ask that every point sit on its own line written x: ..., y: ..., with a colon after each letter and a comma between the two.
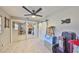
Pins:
x: 16, y: 26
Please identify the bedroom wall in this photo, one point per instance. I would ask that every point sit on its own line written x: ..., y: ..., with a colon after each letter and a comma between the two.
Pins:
x: 5, y: 35
x: 72, y: 13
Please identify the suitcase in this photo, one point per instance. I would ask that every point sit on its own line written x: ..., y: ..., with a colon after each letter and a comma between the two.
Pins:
x: 68, y: 48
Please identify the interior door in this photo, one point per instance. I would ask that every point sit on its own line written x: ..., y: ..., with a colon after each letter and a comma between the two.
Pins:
x: 42, y: 29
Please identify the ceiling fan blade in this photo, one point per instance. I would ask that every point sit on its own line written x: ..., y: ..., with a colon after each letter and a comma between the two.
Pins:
x: 38, y: 10
x: 39, y: 15
x: 27, y: 9
x: 27, y: 14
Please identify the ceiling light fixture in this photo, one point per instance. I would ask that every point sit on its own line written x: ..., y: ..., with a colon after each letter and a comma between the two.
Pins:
x: 33, y: 16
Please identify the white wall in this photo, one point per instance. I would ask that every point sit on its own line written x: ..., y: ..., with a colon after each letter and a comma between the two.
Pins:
x: 72, y: 13
x: 5, y: 35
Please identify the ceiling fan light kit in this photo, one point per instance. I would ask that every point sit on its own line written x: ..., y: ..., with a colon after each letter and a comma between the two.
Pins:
x: 33, y: 16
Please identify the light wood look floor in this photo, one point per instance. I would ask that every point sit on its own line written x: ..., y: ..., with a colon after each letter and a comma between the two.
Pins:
x: 32, y: 45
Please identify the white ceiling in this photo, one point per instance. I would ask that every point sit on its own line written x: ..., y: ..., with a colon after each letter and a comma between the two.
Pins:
x: 18, y: 11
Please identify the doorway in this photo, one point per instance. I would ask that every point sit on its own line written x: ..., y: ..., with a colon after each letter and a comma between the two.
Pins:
x: 31, y: 30
x: 18, y: 30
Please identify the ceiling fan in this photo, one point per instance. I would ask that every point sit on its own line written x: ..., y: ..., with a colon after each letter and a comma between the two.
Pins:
x: 33, y: 13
